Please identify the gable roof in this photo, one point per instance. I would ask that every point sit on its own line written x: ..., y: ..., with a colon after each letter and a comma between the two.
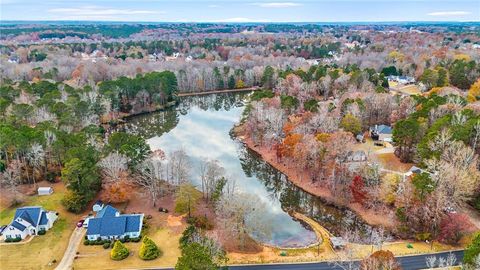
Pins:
x: 31, y: 214
x: 114, y: 225
x: 43, y: 219
x: 107, y: 211
x: 18, y: 226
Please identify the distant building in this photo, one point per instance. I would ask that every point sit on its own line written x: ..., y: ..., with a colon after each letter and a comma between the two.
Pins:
x: 45, y: 191
x: 29, y: 221
x: 110, y: 224
x: 382, y: 133
x: 401, y: 79
x: 357, y: 156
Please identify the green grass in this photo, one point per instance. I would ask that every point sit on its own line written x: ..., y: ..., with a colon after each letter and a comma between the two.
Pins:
x: 43, y: 249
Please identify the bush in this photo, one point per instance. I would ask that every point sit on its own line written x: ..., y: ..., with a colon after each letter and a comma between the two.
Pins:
x: 74, y: 202
x: 472, y: 252
x: 86, y: 242
x: 106, y: 245
x: 135, y: 239
x: 204, y: 223
x: 13, y: 240
x: 149, y: 250
x: 119, y: 251
x: 41, y: 232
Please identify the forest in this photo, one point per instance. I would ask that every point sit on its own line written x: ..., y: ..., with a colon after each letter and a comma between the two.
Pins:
x: 318, y: 92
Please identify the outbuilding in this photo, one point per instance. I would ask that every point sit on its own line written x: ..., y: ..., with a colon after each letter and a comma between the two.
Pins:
x: 45, y: 191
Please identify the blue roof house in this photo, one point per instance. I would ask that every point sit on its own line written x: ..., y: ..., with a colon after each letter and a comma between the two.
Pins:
x: 110, y: 224
x: 28, y: 221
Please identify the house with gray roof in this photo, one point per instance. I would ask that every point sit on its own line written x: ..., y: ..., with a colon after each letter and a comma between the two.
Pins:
x: 29, y: 220
x: 110, y: 224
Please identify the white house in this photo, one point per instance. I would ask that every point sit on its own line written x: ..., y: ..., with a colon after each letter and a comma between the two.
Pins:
x: 45, y: 191
x: 29, y: 221
x: 110, y: 224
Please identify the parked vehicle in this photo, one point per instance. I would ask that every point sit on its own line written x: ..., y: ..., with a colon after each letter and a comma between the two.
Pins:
x: 164, y: 210
x: 80, y: 223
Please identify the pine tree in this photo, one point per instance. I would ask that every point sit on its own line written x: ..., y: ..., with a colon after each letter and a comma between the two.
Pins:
x: 149, y: 250
x: 119, y: 251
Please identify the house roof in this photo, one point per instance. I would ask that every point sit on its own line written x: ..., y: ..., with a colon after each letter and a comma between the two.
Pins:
x: 114, y: 225
x: 384, y: 129
x: 44, y: 188
x: 107, y: 211
x: 18, y: 226
x: 43, y: 219
x: 31, y: 214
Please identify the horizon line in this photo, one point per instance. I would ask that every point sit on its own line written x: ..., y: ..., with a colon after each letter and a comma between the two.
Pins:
x: 246, y: 22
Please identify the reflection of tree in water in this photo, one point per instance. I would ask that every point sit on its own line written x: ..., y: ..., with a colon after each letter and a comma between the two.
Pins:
x: 215, y: 102
x: 336, y: 220
x: 156, y: 123
x: 152, y: 124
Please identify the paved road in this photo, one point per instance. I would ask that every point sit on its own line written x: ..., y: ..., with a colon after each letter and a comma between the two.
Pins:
x: 71, y: 252
x: 414, y: 262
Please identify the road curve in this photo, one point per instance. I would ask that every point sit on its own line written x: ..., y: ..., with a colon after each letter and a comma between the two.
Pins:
x: 71, y: 252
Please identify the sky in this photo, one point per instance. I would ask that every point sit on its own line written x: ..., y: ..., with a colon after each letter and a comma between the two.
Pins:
x: 241, y: 11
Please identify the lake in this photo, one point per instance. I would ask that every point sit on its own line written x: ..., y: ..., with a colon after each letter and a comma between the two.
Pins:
x: 201, y: 125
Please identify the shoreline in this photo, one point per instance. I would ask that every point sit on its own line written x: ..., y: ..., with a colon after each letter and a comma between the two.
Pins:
x: 301, y: 180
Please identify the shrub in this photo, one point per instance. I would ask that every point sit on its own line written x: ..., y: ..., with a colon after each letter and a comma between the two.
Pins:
x: 74, y: 202
x: 204, y: 223
x: 86, y: 242
x: 41, y: 232
x: 136, y: 239
x: 453, y: 227
x: 13, y: 240
x: 106, y: 245
x: 119, y: 251
x: 472, y: 252
x: 148, y: 250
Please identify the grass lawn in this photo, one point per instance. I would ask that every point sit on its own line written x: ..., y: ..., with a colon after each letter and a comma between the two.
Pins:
x: 96, y: 257
x: 43, y: 249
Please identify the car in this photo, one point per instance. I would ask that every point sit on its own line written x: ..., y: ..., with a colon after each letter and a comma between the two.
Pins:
x: 2, y: 228
x: 80, y: 223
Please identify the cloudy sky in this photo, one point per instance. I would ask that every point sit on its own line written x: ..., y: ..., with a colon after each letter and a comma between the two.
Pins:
x: 241, y: 11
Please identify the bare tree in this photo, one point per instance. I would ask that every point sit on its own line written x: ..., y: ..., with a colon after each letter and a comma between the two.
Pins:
x: 10, y: 179
x: 212, y: 174
x: 244, y: 215
x: 150, y: 178
x: 178, y: 169
x: 113, y: 166
x: 36, y: 158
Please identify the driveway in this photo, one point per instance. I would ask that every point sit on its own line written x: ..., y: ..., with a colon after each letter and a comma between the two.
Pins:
x: 71, y: 252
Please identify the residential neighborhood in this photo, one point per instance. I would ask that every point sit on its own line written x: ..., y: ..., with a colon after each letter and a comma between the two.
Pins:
x: 208, y: 135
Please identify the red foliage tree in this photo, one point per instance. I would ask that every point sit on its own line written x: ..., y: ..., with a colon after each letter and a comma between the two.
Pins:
x: 357, y: 187
x: 453, y: 226
x: 382, y: 259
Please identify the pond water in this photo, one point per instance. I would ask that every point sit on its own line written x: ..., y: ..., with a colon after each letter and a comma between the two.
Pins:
x: 201, y: 126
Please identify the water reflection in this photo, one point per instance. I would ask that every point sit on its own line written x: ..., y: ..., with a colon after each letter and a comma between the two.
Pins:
x: 201, y: 126
x: 336, y: 220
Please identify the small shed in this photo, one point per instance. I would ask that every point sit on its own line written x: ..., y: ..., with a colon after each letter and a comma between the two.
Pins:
x: 337, y: 242
x: 45, y: 191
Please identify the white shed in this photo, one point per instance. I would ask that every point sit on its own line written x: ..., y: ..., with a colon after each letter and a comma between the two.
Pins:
x: 45, y: 191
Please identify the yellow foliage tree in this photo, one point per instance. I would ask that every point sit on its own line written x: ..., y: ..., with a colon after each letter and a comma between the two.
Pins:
x: 474, y: 92
x: 240, y: 84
